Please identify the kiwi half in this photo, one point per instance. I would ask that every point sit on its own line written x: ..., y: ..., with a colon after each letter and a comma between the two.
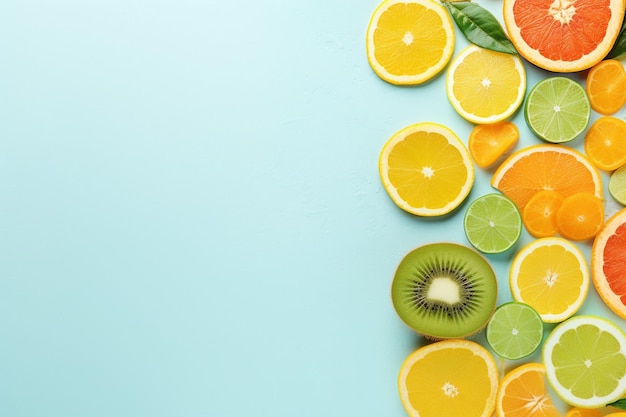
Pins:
x: 444, y: 290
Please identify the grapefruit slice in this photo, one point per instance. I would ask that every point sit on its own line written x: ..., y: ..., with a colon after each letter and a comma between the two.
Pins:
x: 608, y: 263
x: 563, y: 35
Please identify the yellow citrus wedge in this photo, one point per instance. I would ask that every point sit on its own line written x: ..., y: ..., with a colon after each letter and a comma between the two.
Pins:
x: 485, y: 86
x: 450, y: 378
x: 523, y: 393
x: 426, y: 169
x: 551, y: 275
x: 409, y: 41
x: 546, y: 167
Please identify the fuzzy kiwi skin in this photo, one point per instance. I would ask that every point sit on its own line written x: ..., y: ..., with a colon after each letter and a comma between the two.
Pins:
x: 438, y: 320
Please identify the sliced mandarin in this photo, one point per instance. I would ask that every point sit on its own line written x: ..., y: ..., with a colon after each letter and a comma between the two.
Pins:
x: 523, y: 393
x: 606, y: 86
x: 539, y: 214
x: 605, y: 143
x: 489, y: 142
x: 580, y: 216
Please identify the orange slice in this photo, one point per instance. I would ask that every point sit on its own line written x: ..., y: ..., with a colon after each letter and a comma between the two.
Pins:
x: 539, y: 214
x: 583, y: 412
x: 606, y: 86
x: 546, y: 167
x: 551, y: 275
x: 450, y: 378
x: 523, y: 393
x: 409, y: 41
x: 488, y: 143
x: 605, y: 142
x: 608, y: 263
x: 426, y: 169
x: 580, y: 216
x: 556, y: 35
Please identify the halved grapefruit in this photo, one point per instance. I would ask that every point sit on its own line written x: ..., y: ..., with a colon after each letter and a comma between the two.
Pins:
x: 563, y: 35
x: 608, y: 263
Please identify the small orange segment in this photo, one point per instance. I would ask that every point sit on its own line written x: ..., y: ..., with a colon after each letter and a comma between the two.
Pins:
x: 583, y: 412
x: 523, y: 393
x: 606, y: 86
x: 605, y: 142
x: 580, y: 216
x: 488, y: 142
x: 539, y: 214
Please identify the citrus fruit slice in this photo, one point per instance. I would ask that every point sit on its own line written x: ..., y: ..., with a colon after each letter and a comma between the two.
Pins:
x: 580, y: 216
x: 539, y: 214
x: 605, y: 143
x: 488, y: 143
x: 409, y: 41
x: 426, y: 169
x: 557, y: 109
x: 450, y: 378
x: 551, y: 275
x: 617, y: 185
x: 608, y: 263
x: 585, y: 358
x: 523, y: 393
x: 515, y: 330
x: 618, y: 414
x: 546, y: 167
x: 583, y: 412
x: 606, y: 86
x: 485, y: 86
x: 492, y: 223
x: 556, y: 35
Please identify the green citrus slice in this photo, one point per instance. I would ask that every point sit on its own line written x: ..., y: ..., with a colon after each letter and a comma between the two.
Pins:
x: 557, y: 109
x: 617, y: 185
x: 515, y: 330
x: 492, y: 223
x: 585, y: 358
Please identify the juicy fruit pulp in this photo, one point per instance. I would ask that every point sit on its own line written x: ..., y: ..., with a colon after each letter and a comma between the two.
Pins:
x: 515, y: 330
x: 605, y: 142
x: 492, y: 223
x: 523, y: 393
x: 409, y: 41
x: 606, y: 86
x: 444, y: 290
x: 426, y: 169
x: 585, y: 359
x: 580, y: 216
x: 450, y: 378
x: 542, y: 167
x: 485, y: 86
x: 551, y: 275
x: 608, y: 263
x: 556, y: 35
x: 539, y: 214
x: 488, y: 142
x: 557, y: 109
x: 617, y: 185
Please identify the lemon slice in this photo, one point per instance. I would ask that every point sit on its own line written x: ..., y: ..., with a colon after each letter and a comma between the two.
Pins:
x: 409, y: 41
x: 485, y: 86
x: 585, y: 358
x: 426, y: 169
x: 551, y: 275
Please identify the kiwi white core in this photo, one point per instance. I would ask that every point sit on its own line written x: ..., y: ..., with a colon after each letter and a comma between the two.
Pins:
x: 444, y: 289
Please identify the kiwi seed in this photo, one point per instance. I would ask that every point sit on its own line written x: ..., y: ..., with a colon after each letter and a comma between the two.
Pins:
x: 444, y: 290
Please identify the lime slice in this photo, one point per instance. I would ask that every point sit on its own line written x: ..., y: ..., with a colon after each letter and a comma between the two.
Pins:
x: 585, y: 358
x: 492, y: 223
x: 617, y: 185
x: 557, y: 109
x: 515, y: 330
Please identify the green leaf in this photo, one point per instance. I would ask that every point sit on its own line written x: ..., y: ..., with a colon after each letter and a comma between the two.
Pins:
x: 621, y: 404
x: 479, y: 26
x: 619, y: 47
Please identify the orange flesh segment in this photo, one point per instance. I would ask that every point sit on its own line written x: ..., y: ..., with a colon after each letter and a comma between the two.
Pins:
x: 487, y: 143
x: 580, y: 216
x: 614, y: 265
x: 605, y: 143
x: 539, y: 214
x: 606, y: 86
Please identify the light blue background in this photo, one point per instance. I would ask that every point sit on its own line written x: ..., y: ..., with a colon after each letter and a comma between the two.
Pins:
x: 191, y: 219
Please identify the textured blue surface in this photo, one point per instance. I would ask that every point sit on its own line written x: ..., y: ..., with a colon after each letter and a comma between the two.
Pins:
x: 191, y: 219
